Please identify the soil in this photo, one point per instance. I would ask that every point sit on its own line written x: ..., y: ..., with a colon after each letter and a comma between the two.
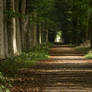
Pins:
x: 66, y: 70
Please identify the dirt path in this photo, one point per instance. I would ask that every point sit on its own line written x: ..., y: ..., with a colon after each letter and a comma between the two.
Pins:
x: 65, y: 71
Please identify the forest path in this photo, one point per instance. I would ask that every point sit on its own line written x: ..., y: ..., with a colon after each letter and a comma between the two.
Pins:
x: 66, y: 70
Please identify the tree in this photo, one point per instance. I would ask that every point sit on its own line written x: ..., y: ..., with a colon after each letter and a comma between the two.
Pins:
x: 2, y: 52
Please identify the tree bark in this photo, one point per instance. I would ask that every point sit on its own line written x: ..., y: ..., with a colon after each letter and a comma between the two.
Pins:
x: 40, y: 34
x: 23, y: 20
x: 46, y: 35
x: 15, y: 50
x: 46, y: 28
x: 2, y: 54
x: 18, y: 29
x: 91, y: 38
x: 34, y: 29
x: 5, y: 33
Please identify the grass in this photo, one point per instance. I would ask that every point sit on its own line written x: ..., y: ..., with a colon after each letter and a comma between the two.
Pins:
x: 10, y: 67
x: 86, y: 51
x: 26, y: 59
x: 83, y: 50
x: 4, y: 84
x: 89, y: 55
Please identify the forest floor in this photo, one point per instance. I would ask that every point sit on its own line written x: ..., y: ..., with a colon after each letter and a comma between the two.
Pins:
x: 66, y: 70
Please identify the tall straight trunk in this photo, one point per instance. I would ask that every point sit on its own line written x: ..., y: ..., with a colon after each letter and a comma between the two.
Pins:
x: 26, y: 37
x: 90, y: 29
x: 91, y: 37
x: 46, y: 28
x: 29, y: 35
x: 15, y: 50
x: 40, y: 34
x: 5, y: 33
x: 9, y: 28
x: 18, y: 29
x: 2, y: 54
x: 18, y: 36
x: 23, y: 11
x: 43, y: 31
x: 39, y: 31
x: 46, y: 35
x: 34, y: 29
x: 31, y: 32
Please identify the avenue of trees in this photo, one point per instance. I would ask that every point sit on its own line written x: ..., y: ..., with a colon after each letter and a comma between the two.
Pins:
x: 24, y: 24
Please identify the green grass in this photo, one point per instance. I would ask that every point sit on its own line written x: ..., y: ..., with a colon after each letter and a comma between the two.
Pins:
x: 12, y: 65
x: 89, y: 55
x: 28, y: 58
x: 4, y: 84
x: 83, y: 50
x: 86, y: 51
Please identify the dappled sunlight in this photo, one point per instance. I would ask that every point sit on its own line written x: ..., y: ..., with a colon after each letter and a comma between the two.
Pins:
x: 59, y: 73
x: 46, y: 45
x: 60, y: 70
x: 67, y: 57
x: 64, y: 51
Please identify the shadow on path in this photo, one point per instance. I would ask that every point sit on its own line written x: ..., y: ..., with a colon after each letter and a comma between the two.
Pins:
x: 66, y: 70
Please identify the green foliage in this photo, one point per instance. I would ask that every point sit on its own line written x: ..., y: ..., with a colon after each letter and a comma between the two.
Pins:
x: 10, y: 67
x: 83, y: 50
x: 4, y: 84
x: 12, y: 14
x: 70, y: 16
x: 89, y: 55
x: 26, y: 59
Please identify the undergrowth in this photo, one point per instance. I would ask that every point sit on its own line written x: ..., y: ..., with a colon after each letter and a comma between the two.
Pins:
x: 83, y: 50
x: 10, y: 67
x: 4, y: 84
x: 86, y: 51
x: 26, y: 59
x: 89, y: 55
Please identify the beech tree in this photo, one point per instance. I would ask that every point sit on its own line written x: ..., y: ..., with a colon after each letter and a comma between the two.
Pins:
x: 25, y: 24
x: 2, y: 52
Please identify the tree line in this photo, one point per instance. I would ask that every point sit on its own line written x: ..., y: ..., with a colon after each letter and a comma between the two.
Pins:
x: 74, y: 18
x: 24, y: 24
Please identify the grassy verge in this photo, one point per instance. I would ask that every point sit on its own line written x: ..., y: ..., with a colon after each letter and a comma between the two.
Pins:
x: 9, y: 67
x: 26, y: 59
x: 83, y: 50
x: 89, y: 55
x: 86, y: 51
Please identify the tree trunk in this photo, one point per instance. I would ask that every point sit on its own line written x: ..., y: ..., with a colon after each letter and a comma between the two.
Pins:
x: 46, y: 28
x: 39, y: 31
x: 5, y: 33
x: 18, y: 29
x: 2, y: 54
x: 46, y: 35
x: 40, y: 34
x: 34, y: 29
x: 91, y: 38
x: 15, y: 50
x: 23, y: 11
